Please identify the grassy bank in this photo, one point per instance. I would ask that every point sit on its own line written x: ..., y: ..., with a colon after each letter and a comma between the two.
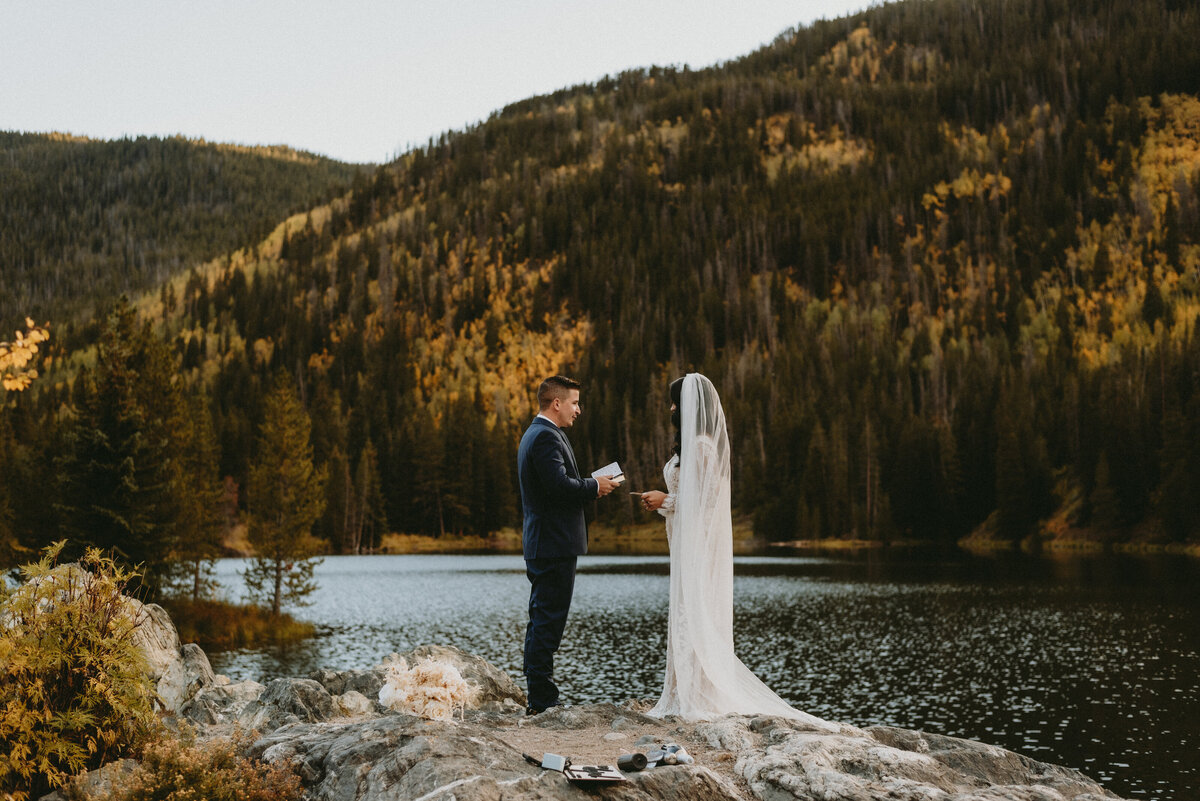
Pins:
x: 1056, y: 536
x: 220, y: 626
x: 848, y: 544
x: 506, y: 540
x: 640, y: 539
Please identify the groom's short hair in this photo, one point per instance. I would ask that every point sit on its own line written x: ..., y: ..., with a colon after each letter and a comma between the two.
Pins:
x: 556, y: 386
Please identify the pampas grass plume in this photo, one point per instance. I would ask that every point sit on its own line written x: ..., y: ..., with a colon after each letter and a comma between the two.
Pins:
x: 429, y: 689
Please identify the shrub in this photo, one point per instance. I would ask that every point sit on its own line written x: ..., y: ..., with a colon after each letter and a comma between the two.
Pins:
x: 180, y: 769
x: 74, y: 690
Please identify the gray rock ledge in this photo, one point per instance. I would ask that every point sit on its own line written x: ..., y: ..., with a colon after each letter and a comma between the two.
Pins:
x: 395, y: 756
x: 347, y: 747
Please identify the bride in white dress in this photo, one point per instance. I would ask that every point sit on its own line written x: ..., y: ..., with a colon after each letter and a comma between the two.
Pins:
x: 704, y: 678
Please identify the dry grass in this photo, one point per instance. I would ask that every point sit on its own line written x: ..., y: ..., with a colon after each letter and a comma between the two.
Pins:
x: 640, y: 539
x: 507, y: 540
x: 182, y: 769
x: 220, y: 626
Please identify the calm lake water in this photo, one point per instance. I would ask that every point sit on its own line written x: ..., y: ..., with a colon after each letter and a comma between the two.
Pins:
x: 1089, y: 662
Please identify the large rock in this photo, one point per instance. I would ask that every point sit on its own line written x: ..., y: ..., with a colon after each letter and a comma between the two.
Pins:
x: 339, y: 682
x: 781, y: 760
x: 97, y: 783
x: 178, y: 671
x: 568, y: 718
x: 331, y: 730
x: 288, y: 701
x: 221, y: 702
x: 402, y: 757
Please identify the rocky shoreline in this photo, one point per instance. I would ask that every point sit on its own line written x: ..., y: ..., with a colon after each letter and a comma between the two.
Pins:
x: 346, y: 746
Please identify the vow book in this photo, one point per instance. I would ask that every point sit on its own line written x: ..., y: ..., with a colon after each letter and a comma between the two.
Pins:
x: 612, y: 471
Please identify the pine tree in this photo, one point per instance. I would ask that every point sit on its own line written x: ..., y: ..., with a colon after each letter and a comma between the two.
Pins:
x: 198, y: 493
x: 1175, y: 499
x: 1013, y: 504
x: 116, y: 474
x: 1105, y: 505
x: 371, y: 518
x: 285, y: 498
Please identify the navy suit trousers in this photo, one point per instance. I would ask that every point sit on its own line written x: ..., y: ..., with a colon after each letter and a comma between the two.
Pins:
x: 552, y: 580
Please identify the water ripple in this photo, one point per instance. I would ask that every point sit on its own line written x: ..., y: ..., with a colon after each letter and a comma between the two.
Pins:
x: 1061, y: 665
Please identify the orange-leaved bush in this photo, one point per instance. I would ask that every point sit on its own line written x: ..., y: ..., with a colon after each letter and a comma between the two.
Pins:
x: 182, y: 769
x: 74, y: 689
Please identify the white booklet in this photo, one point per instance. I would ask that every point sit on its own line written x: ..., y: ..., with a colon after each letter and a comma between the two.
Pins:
x: 612, y: 471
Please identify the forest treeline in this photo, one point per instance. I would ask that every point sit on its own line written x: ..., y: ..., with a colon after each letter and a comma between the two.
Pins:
x: 84, y: 219
x: 941, y: 259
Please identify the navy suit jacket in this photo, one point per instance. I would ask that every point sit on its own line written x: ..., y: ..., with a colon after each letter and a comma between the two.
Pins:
x: 553, y: 495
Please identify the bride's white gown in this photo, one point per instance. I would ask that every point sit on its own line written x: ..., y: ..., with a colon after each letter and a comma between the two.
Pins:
x: 704, y: 677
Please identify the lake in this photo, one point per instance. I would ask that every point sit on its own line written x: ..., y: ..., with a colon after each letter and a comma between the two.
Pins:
x: 1085, y: 661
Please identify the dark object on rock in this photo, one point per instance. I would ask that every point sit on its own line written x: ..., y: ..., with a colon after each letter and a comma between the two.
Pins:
x: 632, y: 762
x: 592, y: 775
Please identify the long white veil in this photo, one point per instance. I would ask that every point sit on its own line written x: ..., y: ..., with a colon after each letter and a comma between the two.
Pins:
x: 705, y: 679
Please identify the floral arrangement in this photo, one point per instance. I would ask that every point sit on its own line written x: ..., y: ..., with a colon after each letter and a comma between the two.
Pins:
x: 429, y: 689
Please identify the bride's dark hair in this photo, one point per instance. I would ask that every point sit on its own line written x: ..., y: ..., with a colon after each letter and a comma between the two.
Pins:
x: 676, y: 393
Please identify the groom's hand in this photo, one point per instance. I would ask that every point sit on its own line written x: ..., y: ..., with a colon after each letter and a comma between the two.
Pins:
x: 604, y: 485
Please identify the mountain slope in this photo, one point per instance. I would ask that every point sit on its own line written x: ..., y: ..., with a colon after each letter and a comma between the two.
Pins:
x: 941, y: 259
x: 83, y: 219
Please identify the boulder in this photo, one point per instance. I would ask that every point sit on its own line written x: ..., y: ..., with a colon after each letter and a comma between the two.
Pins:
x: 96, y: 783
x: 397, y: 756
x: 331, y: 729
x: 337, y: 682
x: 781, y: 760
x: 353, y: 704
x: 610, y: 716
x: 178, y: 671
x: 403, y: 757
x: 287, y: 701
x: 221, y: 702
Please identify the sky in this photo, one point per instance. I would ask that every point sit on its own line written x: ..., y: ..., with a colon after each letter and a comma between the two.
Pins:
x: 357, y: 80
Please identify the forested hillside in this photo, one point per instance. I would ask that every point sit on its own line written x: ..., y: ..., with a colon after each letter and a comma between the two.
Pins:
x: 942, y: 260
x: 83, y: 220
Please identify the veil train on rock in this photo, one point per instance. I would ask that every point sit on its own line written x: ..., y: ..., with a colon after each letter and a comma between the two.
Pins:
x: 704, y: 677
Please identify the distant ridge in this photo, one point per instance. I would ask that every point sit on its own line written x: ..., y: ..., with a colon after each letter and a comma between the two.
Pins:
x: 83, y: 219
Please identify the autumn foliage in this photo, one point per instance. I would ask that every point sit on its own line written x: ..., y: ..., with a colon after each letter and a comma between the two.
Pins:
x: 75, y: 692
x: 942, y: 261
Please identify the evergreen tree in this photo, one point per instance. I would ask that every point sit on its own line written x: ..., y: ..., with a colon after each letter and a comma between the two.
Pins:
x: 285, y: 498
x: 117, y: 472
x: 198, y: 493
x: 371, y: 517
x: 1175, y: 500
x: 1103, y: 500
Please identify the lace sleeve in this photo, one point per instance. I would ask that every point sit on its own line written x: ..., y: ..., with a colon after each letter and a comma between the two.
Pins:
x: 671, y: 479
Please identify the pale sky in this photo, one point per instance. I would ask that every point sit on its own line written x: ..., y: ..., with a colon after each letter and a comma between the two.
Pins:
x: 359, y: 80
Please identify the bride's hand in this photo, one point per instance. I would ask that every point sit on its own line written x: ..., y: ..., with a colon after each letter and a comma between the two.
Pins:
x: 653, y: 499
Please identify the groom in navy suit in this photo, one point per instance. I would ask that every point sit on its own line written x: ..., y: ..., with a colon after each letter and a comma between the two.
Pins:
x: 553, y: 496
